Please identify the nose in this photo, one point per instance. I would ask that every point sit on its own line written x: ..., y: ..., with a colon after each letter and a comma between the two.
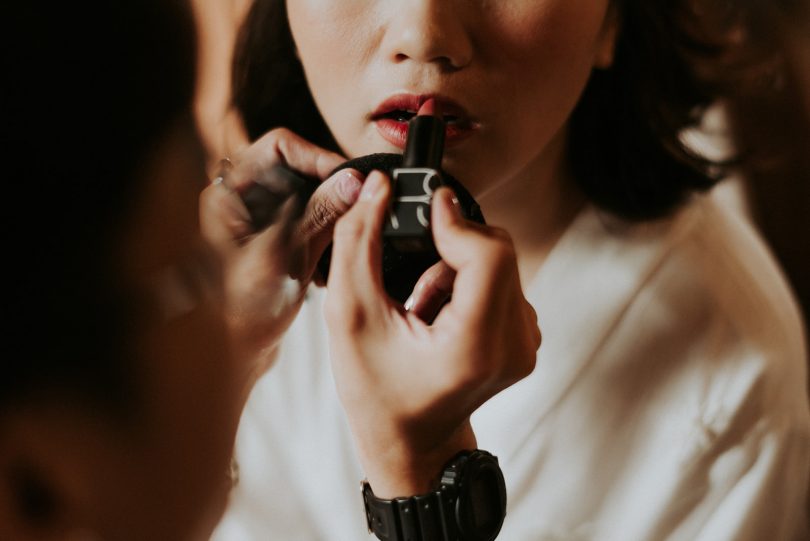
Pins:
x: 428, y: 32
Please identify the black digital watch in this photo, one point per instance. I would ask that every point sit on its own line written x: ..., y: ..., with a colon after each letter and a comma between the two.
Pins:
x: 469, y: 505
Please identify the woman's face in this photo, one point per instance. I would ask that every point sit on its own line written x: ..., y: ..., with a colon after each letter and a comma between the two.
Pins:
x: 510, y: 71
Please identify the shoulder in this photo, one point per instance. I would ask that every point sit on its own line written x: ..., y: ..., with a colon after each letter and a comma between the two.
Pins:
x: 721, y: 262
x: 715, y: 294
x: 700, y: 287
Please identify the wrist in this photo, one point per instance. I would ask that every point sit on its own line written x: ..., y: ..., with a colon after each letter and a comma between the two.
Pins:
x: 468, y: 504
x: 399, y: 465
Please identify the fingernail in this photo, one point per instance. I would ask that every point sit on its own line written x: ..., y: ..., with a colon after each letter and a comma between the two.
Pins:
x: 371, y: 186
x: 348, y: 186
x: 455, y: 205
x: 409, y: 304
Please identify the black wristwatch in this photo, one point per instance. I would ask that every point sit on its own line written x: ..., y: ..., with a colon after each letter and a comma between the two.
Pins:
x: 469, y: 505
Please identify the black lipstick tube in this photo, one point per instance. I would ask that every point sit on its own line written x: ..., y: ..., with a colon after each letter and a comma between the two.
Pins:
x: 408, y: 225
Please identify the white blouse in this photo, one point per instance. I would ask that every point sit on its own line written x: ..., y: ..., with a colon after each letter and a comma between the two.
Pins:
x: 669, y: 401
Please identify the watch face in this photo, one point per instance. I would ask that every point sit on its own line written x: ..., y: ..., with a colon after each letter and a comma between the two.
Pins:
x: 481, y: 506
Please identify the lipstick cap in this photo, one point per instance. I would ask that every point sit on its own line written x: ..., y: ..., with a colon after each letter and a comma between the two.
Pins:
x: 425, y: 144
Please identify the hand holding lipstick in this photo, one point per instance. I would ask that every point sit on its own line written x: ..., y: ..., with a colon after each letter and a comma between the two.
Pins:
x: 409, y: 387
x: 408, y: 250
x: 267, y: 269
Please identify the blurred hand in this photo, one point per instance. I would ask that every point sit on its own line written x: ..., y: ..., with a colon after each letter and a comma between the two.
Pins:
x: 266, y: 272
x: 409, y: 388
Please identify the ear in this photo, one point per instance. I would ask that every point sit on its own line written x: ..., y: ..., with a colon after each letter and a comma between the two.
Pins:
x: 42, y: 487
x: 606, y: 42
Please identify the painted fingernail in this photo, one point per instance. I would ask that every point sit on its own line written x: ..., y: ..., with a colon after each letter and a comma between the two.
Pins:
x: 349, y: 185
x: 371, y: 186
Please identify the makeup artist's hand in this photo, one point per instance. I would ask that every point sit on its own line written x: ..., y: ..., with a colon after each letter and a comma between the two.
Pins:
x: 409, y: 388
x: 262, y: 298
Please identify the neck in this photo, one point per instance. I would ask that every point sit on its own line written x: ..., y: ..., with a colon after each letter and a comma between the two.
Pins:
x: 535, y: 206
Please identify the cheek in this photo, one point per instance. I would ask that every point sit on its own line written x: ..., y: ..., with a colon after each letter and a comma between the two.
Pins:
x: 549, y: 48
x: 543, y: 55
x: 543, y: 28
x: 335, y: 40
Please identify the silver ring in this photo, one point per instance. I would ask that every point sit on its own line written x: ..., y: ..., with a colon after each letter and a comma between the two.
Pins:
x: 225, y: 165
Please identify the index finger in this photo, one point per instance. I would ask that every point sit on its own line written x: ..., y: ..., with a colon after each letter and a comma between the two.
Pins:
x: 483, y: 258
x: 282, y: 147
x: 355, y: 276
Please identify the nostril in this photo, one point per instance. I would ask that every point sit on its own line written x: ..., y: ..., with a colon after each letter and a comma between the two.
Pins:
x: 447, y: 46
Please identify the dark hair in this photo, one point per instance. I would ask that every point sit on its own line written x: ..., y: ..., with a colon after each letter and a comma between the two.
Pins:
x: 89, y: 90
x: 267, y: 73
x: 624, y: 143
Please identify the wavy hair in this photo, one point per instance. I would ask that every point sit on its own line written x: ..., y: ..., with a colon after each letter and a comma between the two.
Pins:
x: 625, y: 146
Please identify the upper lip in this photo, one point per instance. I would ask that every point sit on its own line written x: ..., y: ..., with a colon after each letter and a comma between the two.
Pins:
x: 412, y: 103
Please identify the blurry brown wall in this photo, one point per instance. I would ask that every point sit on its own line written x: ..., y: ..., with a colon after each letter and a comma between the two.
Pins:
x: 772, y: 126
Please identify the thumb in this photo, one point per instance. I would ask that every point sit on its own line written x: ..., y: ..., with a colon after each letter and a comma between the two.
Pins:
x: 333, y: 198
x: 456, y: 239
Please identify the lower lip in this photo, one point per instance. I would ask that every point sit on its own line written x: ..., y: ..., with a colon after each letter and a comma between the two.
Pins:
x: 397, y: 132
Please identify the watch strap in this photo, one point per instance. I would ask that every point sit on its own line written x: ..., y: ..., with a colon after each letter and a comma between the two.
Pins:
x: 428, y: 517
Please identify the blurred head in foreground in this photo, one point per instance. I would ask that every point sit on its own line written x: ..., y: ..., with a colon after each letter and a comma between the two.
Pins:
x: 116, y: 394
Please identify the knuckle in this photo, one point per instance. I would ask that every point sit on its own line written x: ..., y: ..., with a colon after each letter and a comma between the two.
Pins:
x: 278, y: 135
x: 320, y: 216
x: 326, y: 161
x: 270, y: 140
x: 272, y: 146
x: 282, y: 132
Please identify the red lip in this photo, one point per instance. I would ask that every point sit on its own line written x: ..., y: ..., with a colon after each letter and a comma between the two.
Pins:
x: 459, y: 126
